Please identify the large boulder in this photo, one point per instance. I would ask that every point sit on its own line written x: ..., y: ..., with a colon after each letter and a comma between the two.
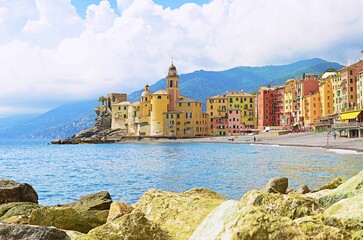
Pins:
x: 16, y: 212
x: 132, y: 226
x: 118, y: 209
x: 232, y: 220
x: 276, y: 185
x: 178, y: 213
x: 68, y: 218
x: 292, y: 205
x: 98, y: 201
x: 350, y: 188
x: 349, y: 208
x: 18, y: 231
x: 11, y: 191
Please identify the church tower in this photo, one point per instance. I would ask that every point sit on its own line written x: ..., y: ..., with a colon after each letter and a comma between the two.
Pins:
x: 172, y: 86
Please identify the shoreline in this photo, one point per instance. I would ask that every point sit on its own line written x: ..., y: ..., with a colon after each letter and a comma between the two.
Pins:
x: 306, y: 140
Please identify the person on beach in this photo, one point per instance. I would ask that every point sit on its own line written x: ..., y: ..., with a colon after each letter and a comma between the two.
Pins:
x: 254, y: 139
x: 335, y: 135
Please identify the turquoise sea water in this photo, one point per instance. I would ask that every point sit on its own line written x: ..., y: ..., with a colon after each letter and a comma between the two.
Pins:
x: 63, y: 173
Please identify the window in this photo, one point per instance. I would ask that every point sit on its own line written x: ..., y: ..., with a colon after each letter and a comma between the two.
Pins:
x: 125, y: 116
x: 351, y: 80
x: 351, y: 97
x: 167, y: 116
x: 178, y: 115
x: 188, y: 104
x: 180, y: 104
x: 119, y: 108
x: 159, y: 97
x: 125, y: 107
x: 351, y: 89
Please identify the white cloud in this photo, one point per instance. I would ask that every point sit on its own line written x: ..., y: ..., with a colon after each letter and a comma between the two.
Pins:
x: 49, y: 53
x: 100, y: 17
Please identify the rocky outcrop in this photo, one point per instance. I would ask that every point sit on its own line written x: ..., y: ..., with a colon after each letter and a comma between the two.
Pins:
x: 349, y: 208
x: 132, y: 226
x: 118, y: 209
x: 68, y: 218
x: 323, y: 227
x: 276, y: 185
x: 233, y: 220
x: 83, y: 215
x: 350, y: 188
x: 292, y: 205
x: 11, y: 191
x: 178, y: 213
x: 97, y: 201
x: 332, y: 185
x: 16, y: 212
x: 18, y: 231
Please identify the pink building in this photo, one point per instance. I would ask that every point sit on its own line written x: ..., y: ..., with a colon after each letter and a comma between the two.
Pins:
x: 220, y: 125
x: 234, y: 123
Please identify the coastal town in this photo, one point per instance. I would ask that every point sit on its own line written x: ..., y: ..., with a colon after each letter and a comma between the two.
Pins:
x: 330, y: 101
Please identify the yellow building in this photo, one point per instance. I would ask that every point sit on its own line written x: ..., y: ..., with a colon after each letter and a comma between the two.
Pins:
x: 232, y: 113
x: 217, y: 110
x: 311, y: 109
x: 326, y: 96
x: 360, y: 90
x: 164, y: 113
x: 246, y: 104
x: 290, y: 96
x: 337, y: 93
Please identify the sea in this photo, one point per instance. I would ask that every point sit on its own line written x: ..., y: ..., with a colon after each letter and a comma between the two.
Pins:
x: 64, y: 173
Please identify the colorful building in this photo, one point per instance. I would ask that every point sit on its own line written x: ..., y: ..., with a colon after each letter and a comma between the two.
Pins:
x: 165, y: 113
x: 270, y: 106
x: 232, y: 113
x: 311, y: 109
x: 326, y: 95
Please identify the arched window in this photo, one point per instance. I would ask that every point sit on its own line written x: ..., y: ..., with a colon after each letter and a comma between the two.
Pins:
x: 171, y: 83
x: 159, y: 97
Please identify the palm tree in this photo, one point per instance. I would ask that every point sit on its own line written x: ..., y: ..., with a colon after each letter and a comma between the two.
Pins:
x: 102, y: 99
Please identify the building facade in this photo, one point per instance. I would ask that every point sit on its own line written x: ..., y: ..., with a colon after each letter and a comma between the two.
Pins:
x: 162, y: 113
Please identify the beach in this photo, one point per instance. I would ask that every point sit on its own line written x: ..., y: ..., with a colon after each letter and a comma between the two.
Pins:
x: 307, y: 139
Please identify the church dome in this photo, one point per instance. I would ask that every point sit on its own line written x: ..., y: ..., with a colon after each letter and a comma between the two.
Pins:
x: 172, y: 67
x: 146, y: 91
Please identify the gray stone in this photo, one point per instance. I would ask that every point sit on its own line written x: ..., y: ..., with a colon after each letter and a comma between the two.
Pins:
x: 11, y: 191
x: 97, y: 201
x: 18, y: 231
x: 276, y: 185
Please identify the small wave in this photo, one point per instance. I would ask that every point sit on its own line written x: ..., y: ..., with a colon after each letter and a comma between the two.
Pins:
x: 344, y: 151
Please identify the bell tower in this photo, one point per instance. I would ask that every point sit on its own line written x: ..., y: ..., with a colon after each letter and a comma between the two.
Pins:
x: 172, y: 86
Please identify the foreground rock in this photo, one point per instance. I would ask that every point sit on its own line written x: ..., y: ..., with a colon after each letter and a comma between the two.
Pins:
x: 276, y: 185
x: 118, y: 209
x: 16, y: 212
x: 178, y: 213
x: 233, y: 220
x: 350, y: 188
x: 292, y: 205
x: 97, y: 201
x: 87, y: 213
x: 11, y: 191
x: 17, y: 231
x: 132, y: 226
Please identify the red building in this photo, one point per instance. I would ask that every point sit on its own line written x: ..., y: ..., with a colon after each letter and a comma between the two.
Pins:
x: 270, y: 106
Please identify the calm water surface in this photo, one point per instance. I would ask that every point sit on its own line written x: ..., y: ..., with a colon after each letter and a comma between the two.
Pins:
x: 63, y: 173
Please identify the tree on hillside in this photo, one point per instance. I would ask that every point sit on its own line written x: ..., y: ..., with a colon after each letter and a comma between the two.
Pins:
x: 102, y: 99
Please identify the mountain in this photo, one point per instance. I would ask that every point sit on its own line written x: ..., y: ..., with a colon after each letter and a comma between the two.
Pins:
x: 61, y: 122
x: 71, y: 118
x: 15, y: 120
x: 203, y: 84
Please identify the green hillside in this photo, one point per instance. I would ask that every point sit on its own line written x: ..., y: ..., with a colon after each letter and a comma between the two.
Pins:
x: 203, y: 84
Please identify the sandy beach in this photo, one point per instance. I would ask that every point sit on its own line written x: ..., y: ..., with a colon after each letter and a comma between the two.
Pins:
x: 309, y: 139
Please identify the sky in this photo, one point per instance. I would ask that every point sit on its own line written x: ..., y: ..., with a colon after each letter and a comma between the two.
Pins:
x: 53, y: 52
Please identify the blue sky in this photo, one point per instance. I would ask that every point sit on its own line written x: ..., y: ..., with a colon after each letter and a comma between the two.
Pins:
x: 52, y: 52
x: 81, y: 5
